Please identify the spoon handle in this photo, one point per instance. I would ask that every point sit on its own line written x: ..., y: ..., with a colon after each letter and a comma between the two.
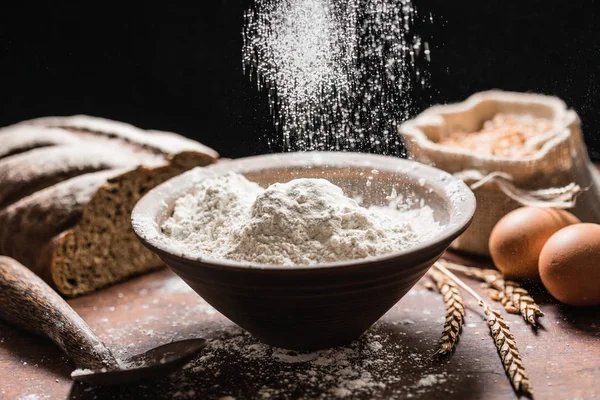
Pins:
x: 28, y: 302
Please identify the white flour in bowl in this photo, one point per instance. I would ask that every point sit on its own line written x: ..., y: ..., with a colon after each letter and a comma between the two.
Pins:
x: 301, y: 222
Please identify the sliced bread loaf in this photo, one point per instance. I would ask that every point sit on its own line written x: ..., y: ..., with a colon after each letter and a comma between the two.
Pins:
x: 66, y: 196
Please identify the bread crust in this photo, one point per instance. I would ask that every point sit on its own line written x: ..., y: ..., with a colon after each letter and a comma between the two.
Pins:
x: 26, y: 173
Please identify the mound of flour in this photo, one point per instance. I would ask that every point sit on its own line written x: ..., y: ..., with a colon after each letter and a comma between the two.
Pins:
x: 304, y: 221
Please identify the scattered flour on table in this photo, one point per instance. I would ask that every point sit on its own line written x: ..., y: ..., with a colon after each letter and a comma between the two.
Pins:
x: 386, y: 362
x: 431, y: 380
x: 376, y: 365
x: 304, y: 221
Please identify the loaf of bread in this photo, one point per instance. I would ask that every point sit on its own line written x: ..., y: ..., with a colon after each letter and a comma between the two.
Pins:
x: 67, y: 188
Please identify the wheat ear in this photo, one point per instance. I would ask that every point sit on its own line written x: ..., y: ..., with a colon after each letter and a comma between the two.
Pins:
x: 504, y: 340
x: 519, y: 298
x: 514, y: 298
x: 455, y: 313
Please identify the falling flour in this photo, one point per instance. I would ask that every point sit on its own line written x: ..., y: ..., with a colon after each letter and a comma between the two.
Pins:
x: 339, y: 73
x: 304, y: 221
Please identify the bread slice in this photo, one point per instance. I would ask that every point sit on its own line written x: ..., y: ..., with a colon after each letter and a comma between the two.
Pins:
x: 67, y: 196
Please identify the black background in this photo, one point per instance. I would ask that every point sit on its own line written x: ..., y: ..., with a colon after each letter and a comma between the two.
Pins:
x: 179, y: 68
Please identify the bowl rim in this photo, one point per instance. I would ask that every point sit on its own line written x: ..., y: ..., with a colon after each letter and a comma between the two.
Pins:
x: 152, y: 205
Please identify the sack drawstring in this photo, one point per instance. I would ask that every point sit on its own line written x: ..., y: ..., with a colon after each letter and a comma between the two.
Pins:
x: 560, y: 197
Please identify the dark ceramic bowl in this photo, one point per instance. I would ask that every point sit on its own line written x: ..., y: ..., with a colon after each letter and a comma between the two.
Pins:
x: 320, y: 306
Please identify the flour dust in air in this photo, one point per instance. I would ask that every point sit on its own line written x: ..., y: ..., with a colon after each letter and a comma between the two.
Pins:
x: 338, y: 73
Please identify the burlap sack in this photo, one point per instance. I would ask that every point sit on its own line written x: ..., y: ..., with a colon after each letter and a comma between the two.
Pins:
x: 558, y: 173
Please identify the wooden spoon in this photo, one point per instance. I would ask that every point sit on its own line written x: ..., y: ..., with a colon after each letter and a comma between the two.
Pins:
x: 28, y: 302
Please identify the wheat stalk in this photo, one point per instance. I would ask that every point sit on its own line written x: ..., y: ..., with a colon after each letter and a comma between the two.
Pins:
x: 509, y: 352
x: 514, y: 298
x: 455, y: 313
x: 503, y: 338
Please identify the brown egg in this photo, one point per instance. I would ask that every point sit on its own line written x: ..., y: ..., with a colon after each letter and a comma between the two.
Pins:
x: 570, y: 265
x: 517, y: 239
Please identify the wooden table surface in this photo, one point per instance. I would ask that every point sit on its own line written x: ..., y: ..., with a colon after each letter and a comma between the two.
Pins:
x: 396, y: 356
